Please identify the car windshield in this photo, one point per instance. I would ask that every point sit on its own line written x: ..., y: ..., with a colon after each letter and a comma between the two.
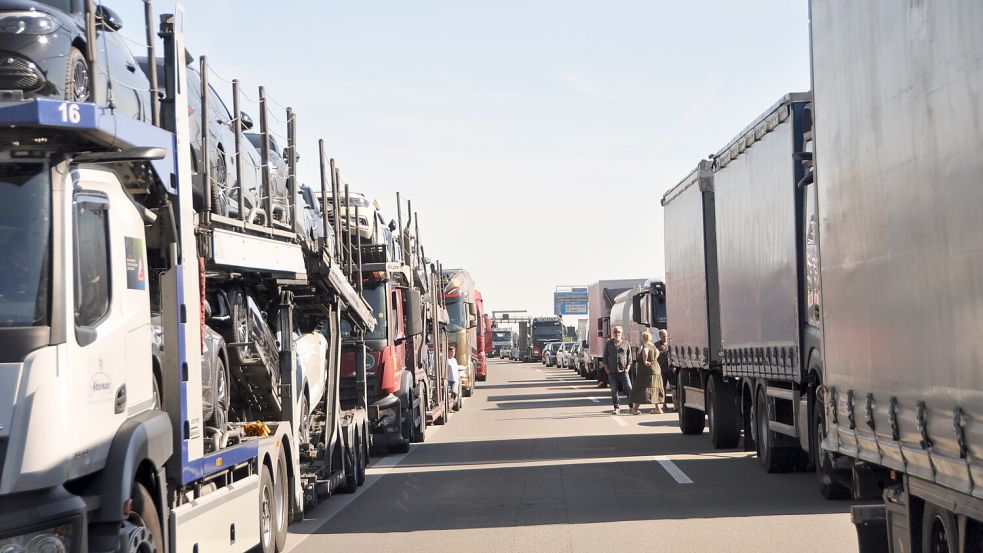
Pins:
x: 457, y: 313
x: 63, y: 5
x: 255, y: 139
x: 376, y: 298
x: 25, y: 229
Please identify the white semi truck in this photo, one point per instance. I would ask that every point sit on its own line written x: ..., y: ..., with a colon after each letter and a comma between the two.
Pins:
x: 105, y: 444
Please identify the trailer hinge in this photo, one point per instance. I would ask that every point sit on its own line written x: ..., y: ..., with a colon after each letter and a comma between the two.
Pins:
x: 869, y: 411
x: 892, y: 418
x: 922, y: 425
x: 849, y: 410
x: 959, y: 425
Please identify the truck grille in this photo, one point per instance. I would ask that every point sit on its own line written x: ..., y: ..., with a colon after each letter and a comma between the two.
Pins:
x: 17, y: 73
x: 349, y: 393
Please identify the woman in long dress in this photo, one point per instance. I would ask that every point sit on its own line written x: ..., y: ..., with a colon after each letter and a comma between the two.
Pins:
x: 647, y: 386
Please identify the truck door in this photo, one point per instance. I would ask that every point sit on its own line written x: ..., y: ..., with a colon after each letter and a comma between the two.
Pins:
x: 110, y: 346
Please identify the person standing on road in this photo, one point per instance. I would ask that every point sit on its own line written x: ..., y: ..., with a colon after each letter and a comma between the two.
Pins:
x: 668, y: 377
x: 617, y: 356
x: 646, y: 387
x: 453, y: 375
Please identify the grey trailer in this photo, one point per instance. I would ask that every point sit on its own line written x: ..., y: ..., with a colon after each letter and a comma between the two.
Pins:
x: 692, y: 302
x: 898, y: 88
x: 525, y: 341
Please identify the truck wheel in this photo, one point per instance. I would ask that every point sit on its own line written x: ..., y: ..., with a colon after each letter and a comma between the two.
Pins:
x: 722, y: 414
x: 772, y: 458
x: 141, y: 531
x: 362, y: 461
x: 281, y: 498
x: 267, y: 541
x: 420, y: 429
x: 351, y: 471
x: 939, y: 531
x: 829, y: 487
x: 691, y: 421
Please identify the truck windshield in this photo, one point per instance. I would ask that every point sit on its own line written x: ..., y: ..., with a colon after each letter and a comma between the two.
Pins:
x: 457, y: 313
x: 376, y: 298
x: 502, y: 336
x: 547, y: 331
x: 25, y: 229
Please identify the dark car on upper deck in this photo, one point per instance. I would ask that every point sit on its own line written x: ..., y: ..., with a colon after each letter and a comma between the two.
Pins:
x: 42, y: 54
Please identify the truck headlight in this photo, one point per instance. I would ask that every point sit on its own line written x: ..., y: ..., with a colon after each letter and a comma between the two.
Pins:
x: 27, y: 23
x: 49, y: 540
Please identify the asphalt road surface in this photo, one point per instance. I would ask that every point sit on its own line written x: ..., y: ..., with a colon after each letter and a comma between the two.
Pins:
x: 536, y: 462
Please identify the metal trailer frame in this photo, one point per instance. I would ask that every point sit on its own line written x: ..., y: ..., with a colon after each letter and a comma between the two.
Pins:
x: 202, y: 498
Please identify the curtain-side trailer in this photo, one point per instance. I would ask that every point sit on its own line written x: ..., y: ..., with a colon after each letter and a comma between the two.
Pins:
x: 898, y: 88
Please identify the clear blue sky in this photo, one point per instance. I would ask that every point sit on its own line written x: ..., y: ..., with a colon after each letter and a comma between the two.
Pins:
x: 535, y: 138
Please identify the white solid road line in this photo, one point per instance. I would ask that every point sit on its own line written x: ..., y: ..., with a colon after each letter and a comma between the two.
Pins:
x: 595, y: 400
x: 674, y: 471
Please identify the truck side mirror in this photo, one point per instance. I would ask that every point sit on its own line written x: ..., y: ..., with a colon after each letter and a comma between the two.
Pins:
x: 636, y: 309
x: 413, y: 312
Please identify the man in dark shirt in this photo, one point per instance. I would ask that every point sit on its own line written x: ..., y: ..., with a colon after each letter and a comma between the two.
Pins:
x: 617, y: 359
x: 668, y: 377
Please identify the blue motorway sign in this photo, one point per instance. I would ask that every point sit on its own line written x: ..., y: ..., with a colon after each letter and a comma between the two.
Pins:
x: 570, y: 302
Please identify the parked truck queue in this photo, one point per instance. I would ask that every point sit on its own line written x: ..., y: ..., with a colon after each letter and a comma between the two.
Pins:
x: 242, y: 348
x: 219, y: 347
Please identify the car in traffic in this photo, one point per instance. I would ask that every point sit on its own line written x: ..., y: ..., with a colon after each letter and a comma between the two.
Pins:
x: 222, y: 155
x: 563, y: 353
x: 572, y: 357
x: 42, y: 55
x: 278, y: 174
x: 585, y: 361
x: 549, y: 353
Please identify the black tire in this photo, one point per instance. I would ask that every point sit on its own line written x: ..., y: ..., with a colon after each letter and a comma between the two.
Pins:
x: 281, y: 502
x: 220, y: 183
x: 144, y: 515
x: 362, y: 460
x: 267, y: 541
x: 939, y: 531
x: 78, y: 82
x: 771, y: 458
x: 691, y: 421
x: 220, y: 410
x: 466, y: 392
x: 829, y: 486
x: 722, y: 415
x: 420, y: 428
x: 351, y: 470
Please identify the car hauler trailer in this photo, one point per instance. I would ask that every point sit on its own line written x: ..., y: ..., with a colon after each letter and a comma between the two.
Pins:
x: 105, y: 207
x: 741, y: 262
x: 600, y: 299
x: 897, y: 88
x: 405, y: 384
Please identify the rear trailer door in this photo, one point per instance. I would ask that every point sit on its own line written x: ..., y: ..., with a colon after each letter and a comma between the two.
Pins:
x: 691, y: 305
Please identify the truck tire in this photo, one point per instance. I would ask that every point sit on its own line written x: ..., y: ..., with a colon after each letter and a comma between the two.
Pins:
x: 939, y: 531
x: 770, y: 457
x: 829, y: 486
x: 351, y: 470
x: 142, y: 531
x: 402, y: 447
x: 267, y: 540
x: 281, y: 500
x: 362, y: 460
x: 420, y: 428
x: 722, y: 415
x: 691, y: 421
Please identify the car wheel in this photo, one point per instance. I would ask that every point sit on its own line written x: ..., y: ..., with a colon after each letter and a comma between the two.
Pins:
x: 78, y: 85
x: 220, y: 413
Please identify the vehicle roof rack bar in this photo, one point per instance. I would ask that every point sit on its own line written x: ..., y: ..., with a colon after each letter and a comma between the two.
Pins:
x: 148, y: 16
x: 237, y: 128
